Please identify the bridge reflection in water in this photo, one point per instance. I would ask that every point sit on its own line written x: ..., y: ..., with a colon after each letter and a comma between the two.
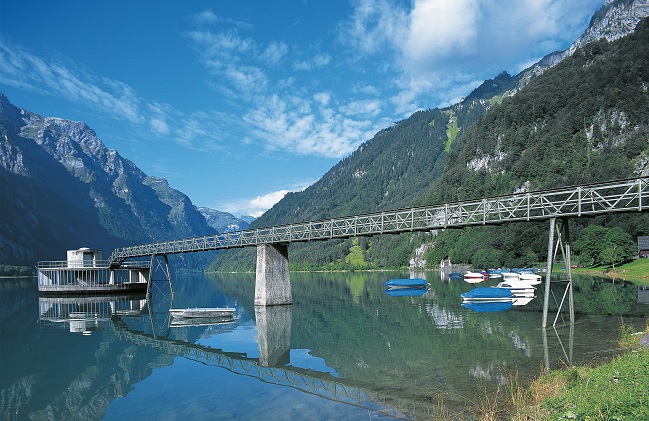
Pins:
x: 145, y: 323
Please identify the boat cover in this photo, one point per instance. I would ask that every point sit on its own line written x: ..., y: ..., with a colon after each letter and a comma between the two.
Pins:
x: 406, y: 283
x: 487, y: 292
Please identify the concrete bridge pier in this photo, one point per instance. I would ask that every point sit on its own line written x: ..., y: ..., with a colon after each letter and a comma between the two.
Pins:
x: 272, y: 281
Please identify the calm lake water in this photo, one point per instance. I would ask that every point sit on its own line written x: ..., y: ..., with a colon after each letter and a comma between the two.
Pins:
x: 345, y: 350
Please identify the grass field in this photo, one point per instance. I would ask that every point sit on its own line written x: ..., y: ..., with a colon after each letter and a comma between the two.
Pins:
x: 636, y: 271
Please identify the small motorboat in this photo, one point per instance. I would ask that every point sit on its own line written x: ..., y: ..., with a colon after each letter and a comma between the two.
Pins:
x: 406, y: 283
x: 508, y: 276
x: 518, y: 288
x: 203, y: 312
x: 488, y: 294
x: 474, y: 277
x: 530, y: 278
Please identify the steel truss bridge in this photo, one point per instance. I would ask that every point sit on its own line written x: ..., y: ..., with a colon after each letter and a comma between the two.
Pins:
x: 308, y: 381
x: 577, y: 201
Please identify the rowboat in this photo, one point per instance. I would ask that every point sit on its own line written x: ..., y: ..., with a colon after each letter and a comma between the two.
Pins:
x: 406, y: 283
x: 202, y: 312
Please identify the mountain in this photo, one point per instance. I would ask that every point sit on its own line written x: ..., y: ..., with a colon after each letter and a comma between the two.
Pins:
x: 533, y: 141
x: 225, y: 222
x: 61, y: 189
x: 614, y: 20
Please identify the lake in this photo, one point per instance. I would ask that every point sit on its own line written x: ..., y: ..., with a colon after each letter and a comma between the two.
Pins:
x: 345, y: 349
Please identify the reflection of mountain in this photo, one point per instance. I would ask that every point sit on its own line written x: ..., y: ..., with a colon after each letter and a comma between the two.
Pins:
x: 74, y: 377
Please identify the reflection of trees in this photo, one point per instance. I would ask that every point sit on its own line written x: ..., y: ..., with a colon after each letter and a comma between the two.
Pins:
x: 599, y: 296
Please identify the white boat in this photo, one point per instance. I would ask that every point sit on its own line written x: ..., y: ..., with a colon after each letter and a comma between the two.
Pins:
x: 519, y: 289
x: 531, y: 278
x: 474, y: 277
x: 507, y: 276
x: 201, y: 312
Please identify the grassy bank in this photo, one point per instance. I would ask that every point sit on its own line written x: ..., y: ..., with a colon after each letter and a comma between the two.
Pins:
x: 636, y: 271
x: 615, y: 390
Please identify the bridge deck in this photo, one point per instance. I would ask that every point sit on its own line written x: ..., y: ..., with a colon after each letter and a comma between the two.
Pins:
x: 577, y: 201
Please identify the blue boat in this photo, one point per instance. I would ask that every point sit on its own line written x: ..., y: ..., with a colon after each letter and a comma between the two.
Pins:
x: 487, y: 306
x: 488, y: 294
x: 406, y: 283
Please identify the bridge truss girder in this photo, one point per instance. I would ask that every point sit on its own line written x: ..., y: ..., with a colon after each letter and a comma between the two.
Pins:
x: 579, y: 201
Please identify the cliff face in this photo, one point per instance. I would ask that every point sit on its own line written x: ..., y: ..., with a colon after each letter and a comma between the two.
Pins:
x: 63, y: 189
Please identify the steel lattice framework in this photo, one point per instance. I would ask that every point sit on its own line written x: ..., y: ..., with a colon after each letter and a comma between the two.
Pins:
x: 577, y: 201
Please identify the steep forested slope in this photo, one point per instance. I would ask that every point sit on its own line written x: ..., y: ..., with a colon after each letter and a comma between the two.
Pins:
x: 584, y: 121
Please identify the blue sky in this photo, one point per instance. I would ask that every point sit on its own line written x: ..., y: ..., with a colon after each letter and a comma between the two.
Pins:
x: 236, y: 102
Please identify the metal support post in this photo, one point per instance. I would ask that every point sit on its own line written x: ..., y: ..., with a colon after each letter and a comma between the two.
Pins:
x: 548, y: 273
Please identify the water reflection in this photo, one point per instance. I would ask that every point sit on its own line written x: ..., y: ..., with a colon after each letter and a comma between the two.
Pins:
x: 344, y: 349
x: 87, y: 313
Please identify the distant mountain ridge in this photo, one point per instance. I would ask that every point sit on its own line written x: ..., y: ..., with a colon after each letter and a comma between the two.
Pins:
x: 224, y: 221
x: 61, y: 188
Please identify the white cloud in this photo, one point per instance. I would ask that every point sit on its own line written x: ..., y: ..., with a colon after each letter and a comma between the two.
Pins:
x: 159, y: 126
x: 316, y: 62
x: 437, y: 45
x: 253, y: 207
x: 289, y: 124
x: 322, y: 98
x: 256, y: 206
x: 274, y: 52
x: 55, y: 77
x: 440, y: 28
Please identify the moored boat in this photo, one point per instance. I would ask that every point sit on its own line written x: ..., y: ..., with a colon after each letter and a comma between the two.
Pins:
x: 474, y: 277
x: 406, y: 283
x: 518, y: 288
x: 488, y: 294
x: 531, y: 278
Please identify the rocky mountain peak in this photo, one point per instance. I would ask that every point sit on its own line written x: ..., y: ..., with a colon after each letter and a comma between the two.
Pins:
x: 614, y: 20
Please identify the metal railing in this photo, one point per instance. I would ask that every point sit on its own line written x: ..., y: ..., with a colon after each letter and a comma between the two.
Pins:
x: 577, y: 201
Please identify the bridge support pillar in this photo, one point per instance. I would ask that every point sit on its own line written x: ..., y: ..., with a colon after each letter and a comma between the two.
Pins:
x: 272, y: 281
